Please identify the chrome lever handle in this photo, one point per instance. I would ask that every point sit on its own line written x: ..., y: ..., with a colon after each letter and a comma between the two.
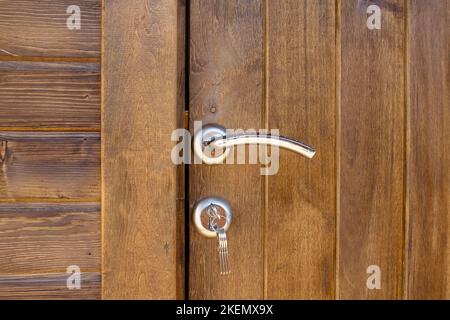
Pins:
x: 262, y: 138
x: 215, y: 136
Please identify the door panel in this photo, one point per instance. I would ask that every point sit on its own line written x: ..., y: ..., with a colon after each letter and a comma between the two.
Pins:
x: 370, y: 101
x: 227, y: 87
x: 427, y: 248
x: 371, y: 150
x: 257, y: 66
x: 300, y: 199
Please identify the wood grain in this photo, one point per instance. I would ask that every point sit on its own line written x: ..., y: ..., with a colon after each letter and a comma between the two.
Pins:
x: 182, y: 122
x: 36, y: 95
x: 49, y: 165
x: 48, y: 286
x: 226, y: 87
x: 428, y: 151
x: 371, y: 132
x: 300, y: 222
x: 46, y: 237
x: 140, y: 183
x: 39, y: 29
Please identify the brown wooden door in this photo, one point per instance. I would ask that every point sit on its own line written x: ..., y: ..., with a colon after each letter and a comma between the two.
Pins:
x: 86, y: 122
x: 374, y: 103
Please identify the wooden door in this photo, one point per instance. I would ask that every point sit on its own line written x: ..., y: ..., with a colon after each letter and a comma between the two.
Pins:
x: 87, y: 114
x: 372, y: 97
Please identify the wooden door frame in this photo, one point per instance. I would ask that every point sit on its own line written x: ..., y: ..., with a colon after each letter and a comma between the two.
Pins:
x: 142, y: 193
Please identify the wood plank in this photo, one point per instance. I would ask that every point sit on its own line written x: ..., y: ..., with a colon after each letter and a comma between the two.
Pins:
x: 49, y: 165
x: 226, y: 87
x: 39, y: 29
x: 140, y: 182
x: 428, y: 151
x: 371, y: 133
x: 49, y: 237
x: 300, y: 221
x: 48, y: 286
x: 37, y: 95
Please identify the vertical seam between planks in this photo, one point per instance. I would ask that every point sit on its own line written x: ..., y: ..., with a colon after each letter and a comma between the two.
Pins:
x: 180, y: 114
x: 102, y: 174
x: 337, y: 141
x: 266, y: 125
x: 403, y: 294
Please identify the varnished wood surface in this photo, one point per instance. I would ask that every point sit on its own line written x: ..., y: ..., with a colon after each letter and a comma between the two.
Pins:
x: 49, y: 165
x: 182, y: 122
x: 43, y: 237
x: 281, y: 240
x: 35, y: 95
x: 371, y: 150
x: 140, y: 183
x: 226, y: 87
x: 48, y: 286
x: 301, y: 201
x: 32, y: 28
x: 49, y: 102
x: 427, y: 273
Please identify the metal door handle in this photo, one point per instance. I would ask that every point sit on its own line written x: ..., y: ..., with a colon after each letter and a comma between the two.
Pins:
x: 215, y: 136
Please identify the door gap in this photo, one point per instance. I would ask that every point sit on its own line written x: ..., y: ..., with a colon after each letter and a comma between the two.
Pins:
x: 186, y: 166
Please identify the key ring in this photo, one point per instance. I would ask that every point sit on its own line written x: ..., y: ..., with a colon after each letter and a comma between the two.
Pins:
x: 202, y: 206
x: 213, y: 215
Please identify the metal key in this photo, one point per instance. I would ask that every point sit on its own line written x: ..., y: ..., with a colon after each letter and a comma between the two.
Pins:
x: 211, y: 223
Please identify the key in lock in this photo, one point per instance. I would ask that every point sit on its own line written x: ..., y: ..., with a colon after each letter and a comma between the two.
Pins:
x: 212, y: 218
